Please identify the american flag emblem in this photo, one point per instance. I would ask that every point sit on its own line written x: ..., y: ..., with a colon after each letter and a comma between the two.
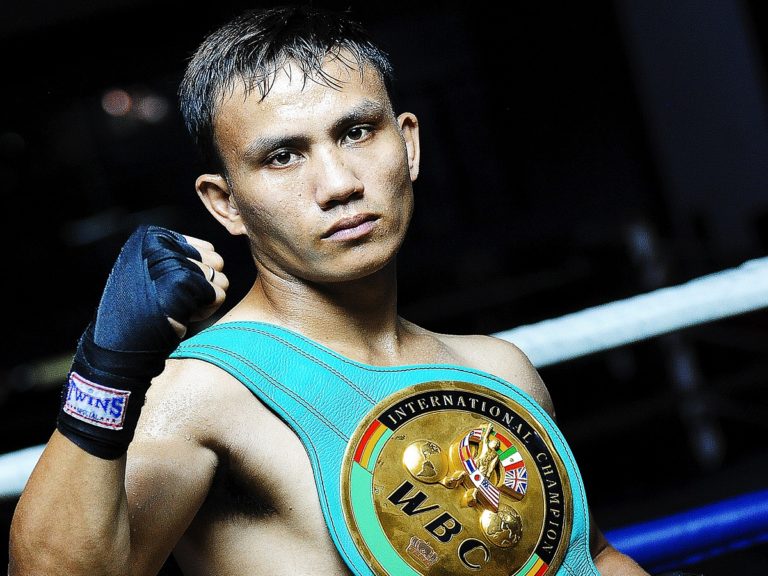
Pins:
x: 514, y: 472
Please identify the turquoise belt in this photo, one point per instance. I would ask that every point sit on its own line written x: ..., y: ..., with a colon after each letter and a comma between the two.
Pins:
x: 351, y: 416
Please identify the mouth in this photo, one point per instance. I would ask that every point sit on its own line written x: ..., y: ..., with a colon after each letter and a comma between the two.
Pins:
x: 351, y: 228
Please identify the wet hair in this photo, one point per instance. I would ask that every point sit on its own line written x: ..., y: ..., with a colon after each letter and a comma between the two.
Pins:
x: 254, y: 47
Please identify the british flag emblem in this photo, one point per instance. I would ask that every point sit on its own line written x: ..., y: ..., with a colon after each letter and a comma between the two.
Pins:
x: 517, y: 480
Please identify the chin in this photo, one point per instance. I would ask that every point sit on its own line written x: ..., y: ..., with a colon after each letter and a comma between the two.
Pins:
x: 355, y: 269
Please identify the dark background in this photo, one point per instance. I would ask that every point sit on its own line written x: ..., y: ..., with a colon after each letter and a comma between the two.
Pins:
x: 574, y: 153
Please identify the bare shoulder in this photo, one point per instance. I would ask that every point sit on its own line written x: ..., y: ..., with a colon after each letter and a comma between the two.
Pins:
x: 192, y: 399
x: 178, y: 428
x: 500, y: 358
x: 181, y: 441
x: 194, y: 416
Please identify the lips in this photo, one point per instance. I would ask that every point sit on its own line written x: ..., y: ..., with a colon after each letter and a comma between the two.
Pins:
x: 351, y: 227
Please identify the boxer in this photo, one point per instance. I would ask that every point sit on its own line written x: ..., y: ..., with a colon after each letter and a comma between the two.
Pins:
x: 311, y: 429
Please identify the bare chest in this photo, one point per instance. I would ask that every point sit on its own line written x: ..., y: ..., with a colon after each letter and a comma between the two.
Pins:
x: 262, y: 513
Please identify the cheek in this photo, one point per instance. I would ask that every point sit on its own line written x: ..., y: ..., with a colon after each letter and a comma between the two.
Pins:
x: 265, y: 222
x: 392, y: 168
x: 273, y: 221
x: 262, y: 201
x: 399, y: 181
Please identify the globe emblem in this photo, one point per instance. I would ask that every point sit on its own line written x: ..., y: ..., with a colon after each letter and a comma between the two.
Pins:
x: 503, y: 528
x: 425, y: 461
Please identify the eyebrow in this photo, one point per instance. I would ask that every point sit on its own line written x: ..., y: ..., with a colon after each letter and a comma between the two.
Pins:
x: 363, y: 111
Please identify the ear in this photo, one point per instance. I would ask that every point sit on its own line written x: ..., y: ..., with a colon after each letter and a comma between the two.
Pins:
x: 214, y: 191
x: 409, y: 128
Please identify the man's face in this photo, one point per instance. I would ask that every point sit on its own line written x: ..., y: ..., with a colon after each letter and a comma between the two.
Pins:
x: 320, y: 178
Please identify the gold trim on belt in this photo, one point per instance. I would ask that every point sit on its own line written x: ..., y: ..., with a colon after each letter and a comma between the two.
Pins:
x: 449, y: 478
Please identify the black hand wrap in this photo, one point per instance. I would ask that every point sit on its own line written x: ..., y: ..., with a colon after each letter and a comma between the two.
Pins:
x: 129, y: 340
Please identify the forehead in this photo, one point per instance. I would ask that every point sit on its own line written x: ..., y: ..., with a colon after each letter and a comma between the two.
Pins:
x: 295, y: 102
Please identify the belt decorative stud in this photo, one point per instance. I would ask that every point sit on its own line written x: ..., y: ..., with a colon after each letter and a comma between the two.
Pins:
x: 454, y: 478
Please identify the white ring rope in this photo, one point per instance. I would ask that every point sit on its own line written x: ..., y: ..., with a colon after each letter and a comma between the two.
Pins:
x: 15, y: 469
x: 712, y: 297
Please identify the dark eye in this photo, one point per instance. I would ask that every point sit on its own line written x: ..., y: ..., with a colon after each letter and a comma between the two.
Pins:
x: 358, y: 133
x: 282, y: 158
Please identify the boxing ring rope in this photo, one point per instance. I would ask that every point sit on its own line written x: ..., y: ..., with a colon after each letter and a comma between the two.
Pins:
x: 15, y: 469
x: 695, y: 535
x: 660, y: 544
x: 705, y: 299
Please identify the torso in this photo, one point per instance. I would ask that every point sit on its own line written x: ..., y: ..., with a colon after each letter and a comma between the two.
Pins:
x: 261, y: 514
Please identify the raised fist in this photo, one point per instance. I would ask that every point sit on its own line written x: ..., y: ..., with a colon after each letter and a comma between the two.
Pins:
x: 160, y: 282
x: 159, y: 275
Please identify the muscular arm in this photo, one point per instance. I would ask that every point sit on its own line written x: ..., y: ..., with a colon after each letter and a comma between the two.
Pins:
x: 166, y: 485
x: 73, y: 500
x: 171, y: 462
x: 76, y: 517
x: 80, y: 514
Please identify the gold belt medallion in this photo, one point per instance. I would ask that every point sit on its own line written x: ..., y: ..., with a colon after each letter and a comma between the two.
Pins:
x: 448, y: 478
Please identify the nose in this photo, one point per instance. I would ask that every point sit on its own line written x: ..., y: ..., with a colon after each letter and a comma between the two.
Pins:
x: 337, y: 181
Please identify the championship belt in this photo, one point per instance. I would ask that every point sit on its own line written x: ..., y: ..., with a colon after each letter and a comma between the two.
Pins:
x: 421, y: 470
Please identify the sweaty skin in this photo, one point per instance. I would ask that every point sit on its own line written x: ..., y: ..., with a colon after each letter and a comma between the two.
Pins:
x: 320, y: 182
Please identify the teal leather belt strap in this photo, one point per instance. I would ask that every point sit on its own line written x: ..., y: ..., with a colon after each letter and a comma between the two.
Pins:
x: 324, y: 396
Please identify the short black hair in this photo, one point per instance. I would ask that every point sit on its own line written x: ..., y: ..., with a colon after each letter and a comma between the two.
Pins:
x: 257, y: 44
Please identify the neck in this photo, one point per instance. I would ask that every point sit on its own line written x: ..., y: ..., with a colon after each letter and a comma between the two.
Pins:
x: 358, y: 318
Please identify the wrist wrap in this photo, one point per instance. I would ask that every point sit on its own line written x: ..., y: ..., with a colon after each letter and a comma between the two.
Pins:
x: 127, y: 343
x: 99, y: 409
